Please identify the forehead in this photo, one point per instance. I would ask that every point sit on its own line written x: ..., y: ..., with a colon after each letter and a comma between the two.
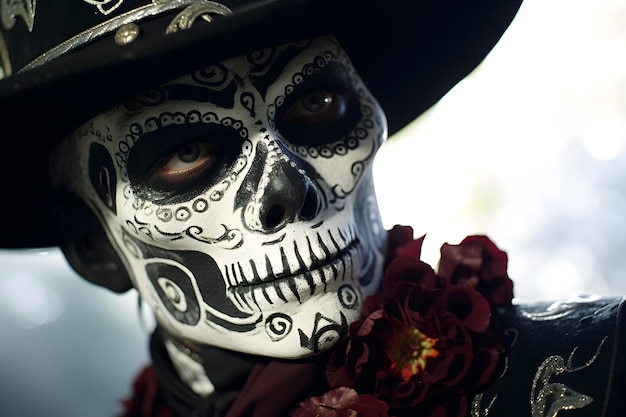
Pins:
x: 262, y: 72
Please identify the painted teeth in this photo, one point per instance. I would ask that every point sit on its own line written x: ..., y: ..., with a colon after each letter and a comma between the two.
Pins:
x: 298, y: 287
x: 293, y: 258
x: 298, y: 271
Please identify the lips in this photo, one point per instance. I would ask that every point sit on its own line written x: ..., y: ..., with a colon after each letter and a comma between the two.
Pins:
x: 301, y: 284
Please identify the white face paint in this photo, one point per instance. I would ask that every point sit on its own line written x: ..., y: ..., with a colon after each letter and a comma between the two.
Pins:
x: 240, y: 198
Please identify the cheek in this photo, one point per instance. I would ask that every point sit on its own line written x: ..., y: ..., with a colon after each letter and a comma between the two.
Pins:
x: 199, y: 221
x: 204, y: 218
x: 103, y: 176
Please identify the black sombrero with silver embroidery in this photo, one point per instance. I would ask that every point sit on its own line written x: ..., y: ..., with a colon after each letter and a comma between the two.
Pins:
x: 64, y: 63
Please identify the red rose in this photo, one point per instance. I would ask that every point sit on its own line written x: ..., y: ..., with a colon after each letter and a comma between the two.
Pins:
x: 414, y: 346
x: 341, y: 402
x: 478, y: 263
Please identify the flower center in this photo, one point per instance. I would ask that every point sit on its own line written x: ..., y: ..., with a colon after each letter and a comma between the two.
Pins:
x: 409, y: 350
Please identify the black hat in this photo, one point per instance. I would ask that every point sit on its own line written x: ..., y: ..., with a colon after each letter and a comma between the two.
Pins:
x: 66, y: 63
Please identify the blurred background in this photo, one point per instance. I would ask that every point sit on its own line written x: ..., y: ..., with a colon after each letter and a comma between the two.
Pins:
x: 530, y: 149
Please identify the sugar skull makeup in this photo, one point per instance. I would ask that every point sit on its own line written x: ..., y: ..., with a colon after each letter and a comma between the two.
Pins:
x: 240, y: 198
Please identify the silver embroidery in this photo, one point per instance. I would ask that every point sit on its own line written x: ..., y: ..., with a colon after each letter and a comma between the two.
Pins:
x: 157, y: 7
x: 105, y: 6
x: 10, y: 9
x: 548, y: 398
x: 203, y: 9
x: 477, y: 410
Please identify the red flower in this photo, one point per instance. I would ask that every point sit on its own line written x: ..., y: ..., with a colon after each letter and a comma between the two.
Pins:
x: 422, y: 344
x: 478, y: 263
x: 341, y: 402
x: 400, y: 243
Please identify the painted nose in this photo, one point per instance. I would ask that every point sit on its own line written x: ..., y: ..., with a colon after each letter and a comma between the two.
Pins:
x: 287, y: 196
x: 276, y: 192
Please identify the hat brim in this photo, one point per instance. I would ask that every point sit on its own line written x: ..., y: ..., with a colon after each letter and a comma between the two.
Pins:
x: 409, y: 53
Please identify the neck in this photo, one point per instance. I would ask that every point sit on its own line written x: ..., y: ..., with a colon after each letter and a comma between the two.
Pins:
x: 193, y: 378
x: 189, y: 367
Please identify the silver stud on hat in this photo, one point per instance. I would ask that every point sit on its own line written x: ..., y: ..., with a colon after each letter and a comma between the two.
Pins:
x: 127, y: 34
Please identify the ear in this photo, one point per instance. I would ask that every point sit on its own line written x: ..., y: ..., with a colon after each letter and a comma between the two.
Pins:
x: 87, y: 247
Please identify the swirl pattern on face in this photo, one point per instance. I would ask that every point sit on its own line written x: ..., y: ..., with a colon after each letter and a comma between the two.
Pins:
x: 240, y: 197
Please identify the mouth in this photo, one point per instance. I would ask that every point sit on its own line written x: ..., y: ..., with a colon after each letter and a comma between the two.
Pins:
x: 301, y: 283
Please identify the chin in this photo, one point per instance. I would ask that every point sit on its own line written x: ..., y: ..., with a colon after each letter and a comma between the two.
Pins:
x: 297, y: 331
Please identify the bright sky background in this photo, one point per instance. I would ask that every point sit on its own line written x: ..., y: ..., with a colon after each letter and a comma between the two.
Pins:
x: 528, y: 149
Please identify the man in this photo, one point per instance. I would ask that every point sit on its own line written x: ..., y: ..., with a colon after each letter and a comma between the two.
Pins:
x: 231, y: 185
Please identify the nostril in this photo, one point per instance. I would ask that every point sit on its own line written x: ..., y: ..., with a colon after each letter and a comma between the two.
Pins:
x: 310, y: 207
x: 275, y: 216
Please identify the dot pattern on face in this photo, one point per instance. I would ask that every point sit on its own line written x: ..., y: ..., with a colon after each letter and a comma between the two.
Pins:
x: 243, y: 198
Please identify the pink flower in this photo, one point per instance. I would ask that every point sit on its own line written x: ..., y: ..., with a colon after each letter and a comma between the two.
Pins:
x: 341, y: 402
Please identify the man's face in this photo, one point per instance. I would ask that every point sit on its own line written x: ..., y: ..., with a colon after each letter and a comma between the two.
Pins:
x: 240, y: 198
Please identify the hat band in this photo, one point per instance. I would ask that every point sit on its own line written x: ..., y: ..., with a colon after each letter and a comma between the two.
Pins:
x: 193, y: 9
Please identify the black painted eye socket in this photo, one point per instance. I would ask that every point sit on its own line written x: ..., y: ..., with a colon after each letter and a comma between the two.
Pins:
x: 322, y: 109
x: 178, y: 162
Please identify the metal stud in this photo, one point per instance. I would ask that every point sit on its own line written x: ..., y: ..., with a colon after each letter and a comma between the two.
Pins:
x: 127, y: 34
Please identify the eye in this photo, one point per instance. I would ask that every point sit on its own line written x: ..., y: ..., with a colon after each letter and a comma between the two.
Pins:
x: 319, y: 117
x: 183, y: 166
x: 322, y: 109
x: 178, y: 162
x: 316, y: 108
